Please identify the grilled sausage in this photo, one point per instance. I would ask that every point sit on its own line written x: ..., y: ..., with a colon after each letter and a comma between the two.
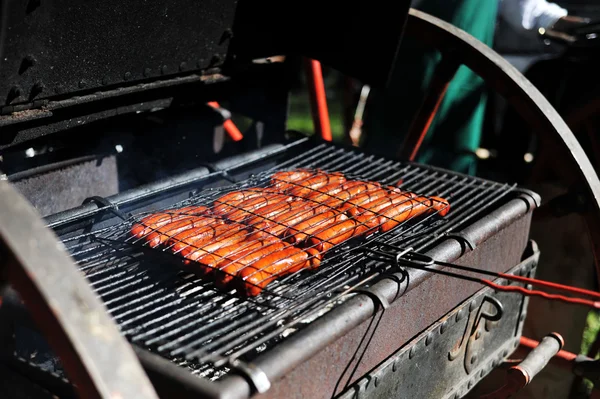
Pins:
x: 394, y: 215
x: 349, y: 190
x: 315, y: 182
x: 284, y: 180
x: 245, y: 209
x: 197, y: 235
x: 323, y: 240
x: 229, y: 202
x: 304, y: 229
x: 269, y: 212
x: 226, y: 271
x: 353, y: 205
x: 324, y: 193
x: 209, y: 262
x: 200, y: 248
x: 278, y: 225
x: 153, y: 221
x: 164, y: 233
x: 374, y: 207
x: 254, y: 278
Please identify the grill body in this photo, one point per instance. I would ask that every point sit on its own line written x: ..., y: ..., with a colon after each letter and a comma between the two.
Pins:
x: 333, y: 352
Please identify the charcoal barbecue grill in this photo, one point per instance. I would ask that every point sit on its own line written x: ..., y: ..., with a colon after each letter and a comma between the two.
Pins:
x: 377, y: 318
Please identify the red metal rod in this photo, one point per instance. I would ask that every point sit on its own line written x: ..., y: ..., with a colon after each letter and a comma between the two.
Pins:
x: 541, y: 294
x: 230, y: 127
x: 318, y: 98
x: 528, y: 280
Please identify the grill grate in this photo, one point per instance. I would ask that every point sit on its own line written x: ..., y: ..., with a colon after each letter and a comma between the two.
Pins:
x: 188, y: 320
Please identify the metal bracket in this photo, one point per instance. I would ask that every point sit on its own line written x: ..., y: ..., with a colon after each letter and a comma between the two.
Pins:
x: 463, y: 239
x: 105, y: 204
x: 381, y: 300
x: 257, y: 377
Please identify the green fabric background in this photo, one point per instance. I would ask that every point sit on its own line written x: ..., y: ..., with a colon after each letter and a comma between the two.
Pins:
x: 456, y: 130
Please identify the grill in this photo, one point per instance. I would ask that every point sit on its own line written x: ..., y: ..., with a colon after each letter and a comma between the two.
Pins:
x: 209, y: 331
x: 124, y: 128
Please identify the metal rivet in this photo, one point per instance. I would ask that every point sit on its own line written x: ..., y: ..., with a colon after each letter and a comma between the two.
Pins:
x: 429, y: 339
x: 127, y: 76
x: 164, y: 69
x: 474, y: 359
x: 444, y: 326
x: 461, y: 314
x: 183, y: 66
x: 82, y: 84
x: 411, y: 354
x: 505, y: 353
x: 472, y: 306
x: 147, y: 72
x: 481, y: 373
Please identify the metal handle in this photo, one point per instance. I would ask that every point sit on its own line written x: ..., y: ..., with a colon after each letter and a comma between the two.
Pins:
x: 519, y: 376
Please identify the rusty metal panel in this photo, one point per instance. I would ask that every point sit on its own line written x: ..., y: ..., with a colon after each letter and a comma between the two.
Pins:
x: 450, y: 357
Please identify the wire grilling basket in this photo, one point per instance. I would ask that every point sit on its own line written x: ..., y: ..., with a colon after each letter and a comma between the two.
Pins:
x: 189, y: 319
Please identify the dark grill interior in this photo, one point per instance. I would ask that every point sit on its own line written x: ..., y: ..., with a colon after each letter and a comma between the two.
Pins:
x: 183, y: 318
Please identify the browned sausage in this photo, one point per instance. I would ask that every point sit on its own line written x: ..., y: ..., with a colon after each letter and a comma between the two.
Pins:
x: 178, y: 242
x: 226, y: 271
x: 282, y: 222
x: 200, y: 248
x: 228, y: 202
x: 164, y: 233
x: 352, y: 206
x: 374, y: 207
x: 350, y: 190
x: 324, y: 193
x: 323, y: 240
x: 315, y: 182
x: 159, y: 219
x: 254, y: 278
x: 396, y: 214
x: 209, y: 262
x: 246, y: 208
x: 284, y: 180
x: 304, y: 229
x: 271, y: 211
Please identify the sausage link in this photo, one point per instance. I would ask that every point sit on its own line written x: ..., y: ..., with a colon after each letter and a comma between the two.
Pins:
x: 226, y: 271
x: 324, y: 193
x: 325, y: 239
x: 350, y: 190
x: 245, y: 209
x: 311, y: 184
x: 198, y: 235
x: 255, y: 277
x: 199, y: 249
x: 353, y: 206
x: 417, y: 206
x: 374, y: 207
x: 269, y: 212
x: 278, y: 225
x: 209, y: 262
x: 164, y: 233
x: 228, y: 202
x: 303, y: 230
x: 155, y: 220
x: 284, y: 180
